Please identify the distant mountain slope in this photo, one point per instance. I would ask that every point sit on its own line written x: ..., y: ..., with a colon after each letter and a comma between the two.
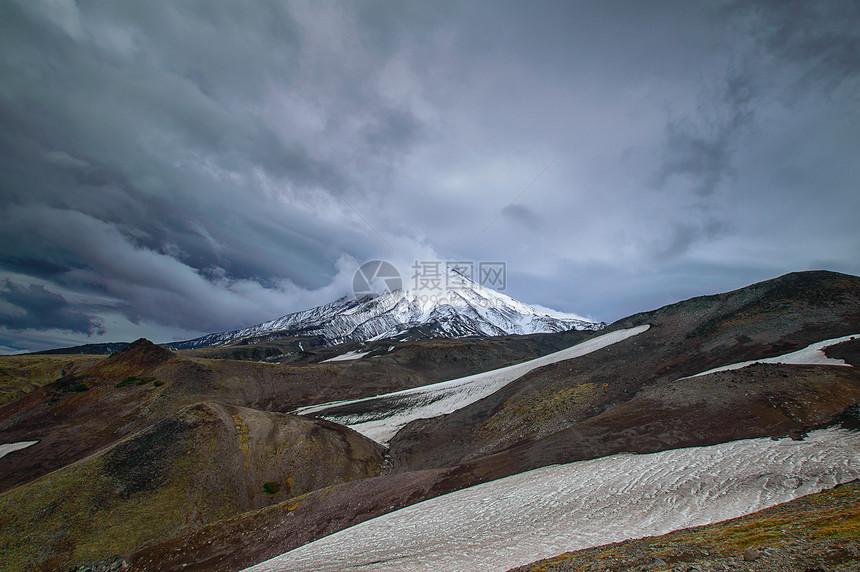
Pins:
x: 627, y: 397
x: 469, y: 310
x: 381, y: 417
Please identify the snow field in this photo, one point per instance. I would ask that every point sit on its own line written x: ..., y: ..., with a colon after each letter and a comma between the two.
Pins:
x: 542, y: 513
x: 388, y: 413
x: 812, y: 354
x: 346, y: 356
x: 7, y: 448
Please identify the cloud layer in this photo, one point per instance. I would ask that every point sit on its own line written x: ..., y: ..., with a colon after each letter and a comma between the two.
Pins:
x: 169, y: 169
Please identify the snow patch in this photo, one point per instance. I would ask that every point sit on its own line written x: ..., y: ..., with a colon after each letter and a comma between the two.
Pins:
x: 380, y: 417
x: 812, y: 354
x: 346, y: 356
x: 538, y: 514
x: 7, y: 448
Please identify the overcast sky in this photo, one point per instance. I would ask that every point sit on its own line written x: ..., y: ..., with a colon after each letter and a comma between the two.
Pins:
x: 169, y: 169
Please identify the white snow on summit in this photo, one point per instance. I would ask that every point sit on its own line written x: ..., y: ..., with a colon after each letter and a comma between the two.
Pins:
x: 467, y: 310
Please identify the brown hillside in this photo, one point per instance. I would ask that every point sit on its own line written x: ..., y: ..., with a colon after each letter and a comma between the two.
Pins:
x: 202, y: 464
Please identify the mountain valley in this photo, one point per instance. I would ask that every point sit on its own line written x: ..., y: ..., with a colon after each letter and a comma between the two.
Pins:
x: 224, y: 454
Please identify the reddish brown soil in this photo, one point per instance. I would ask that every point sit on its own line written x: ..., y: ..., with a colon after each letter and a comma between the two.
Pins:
x: 628, y: 397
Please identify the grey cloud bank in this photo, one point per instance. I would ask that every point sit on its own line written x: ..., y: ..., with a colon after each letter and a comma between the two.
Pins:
x: 172, y: 169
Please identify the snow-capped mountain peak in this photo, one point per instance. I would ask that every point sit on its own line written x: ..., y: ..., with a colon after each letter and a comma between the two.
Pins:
x: 464, y: 309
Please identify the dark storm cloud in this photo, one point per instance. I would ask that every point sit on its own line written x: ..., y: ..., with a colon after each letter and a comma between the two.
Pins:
x: 702, y: 147
x: 702, y: 155
x: 790, y: 54
x: 144, y: 284
x: 196, y: 166
x: 823, y: 37
x: 35, y: 307
x: 686, y: 235
x: 142, y: 127
x: 395, y: 129
x: 522, y: 215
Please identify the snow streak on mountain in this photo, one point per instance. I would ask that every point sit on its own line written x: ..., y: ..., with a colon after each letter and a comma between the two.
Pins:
x: 469, y: 310
x: 382, y: 416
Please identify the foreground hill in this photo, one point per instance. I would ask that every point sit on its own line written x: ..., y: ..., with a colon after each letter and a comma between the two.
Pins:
x: 68, y: 477
x: 205, y: 463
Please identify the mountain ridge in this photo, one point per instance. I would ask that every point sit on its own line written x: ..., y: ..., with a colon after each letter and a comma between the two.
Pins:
x: 468, y: 310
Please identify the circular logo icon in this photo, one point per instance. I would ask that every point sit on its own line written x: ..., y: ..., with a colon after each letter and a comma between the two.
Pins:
x: 374, y: 278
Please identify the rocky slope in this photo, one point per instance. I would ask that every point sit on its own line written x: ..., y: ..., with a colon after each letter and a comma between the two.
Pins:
x: 145, y: 394
x: 579, y: 409
x: 635, y: 395
x: 21, y: 374
x: 92, y: 407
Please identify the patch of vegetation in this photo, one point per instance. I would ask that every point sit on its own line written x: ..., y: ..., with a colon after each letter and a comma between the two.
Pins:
x: 128, y: 381
x: 534, y: 408
x: 271, y: 488
x: 244, y: 433
x: 43, y: 528
x: 139, y: 380
x: 158, y: 383
x: 20, y: 375
x: 753, y: 532
x: 143, y: 463
x: 80, y: 388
